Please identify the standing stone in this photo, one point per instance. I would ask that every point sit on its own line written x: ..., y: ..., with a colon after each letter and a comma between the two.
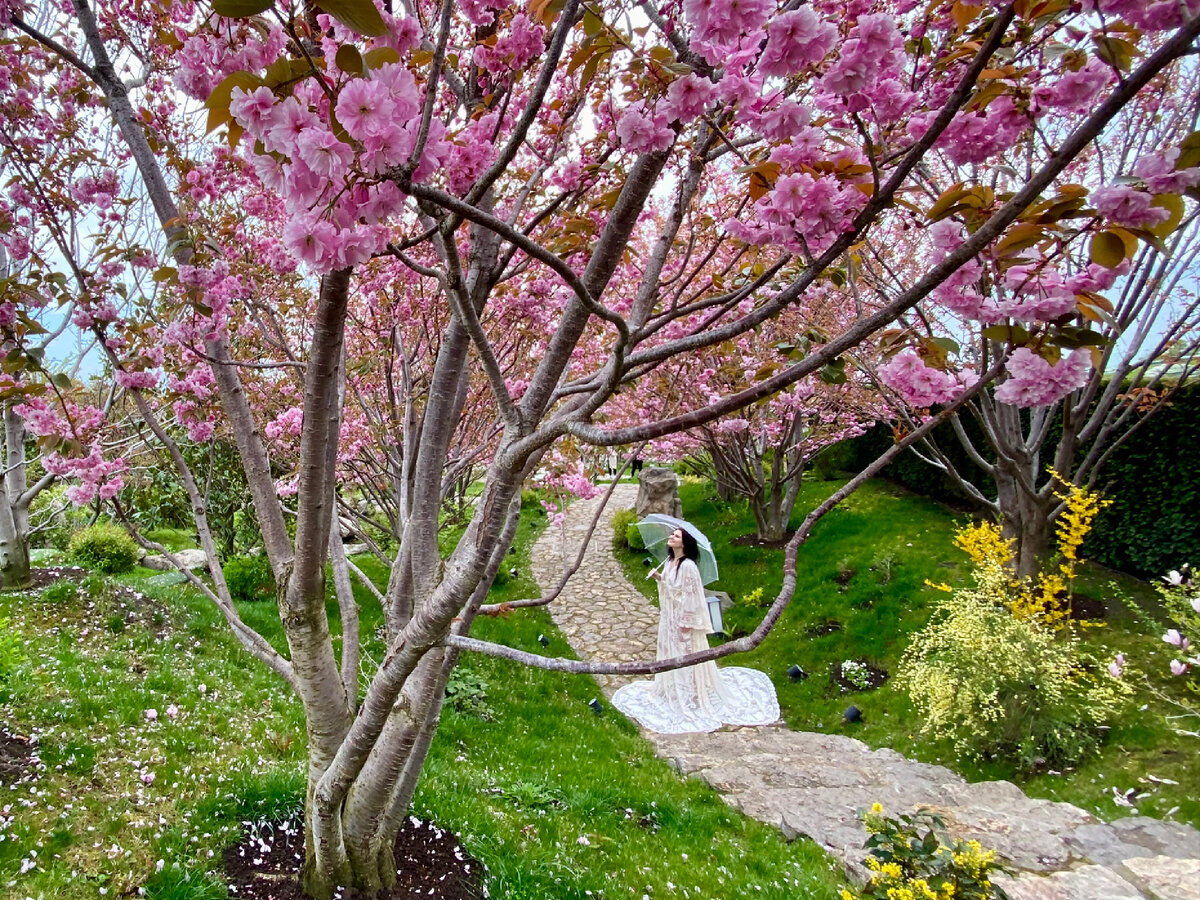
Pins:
x: 658, y: 492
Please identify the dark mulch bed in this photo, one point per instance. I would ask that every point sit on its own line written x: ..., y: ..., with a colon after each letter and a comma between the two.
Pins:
x: 44, y: 577
x: 753, y: 540
x: 874, y: 677
x: 17, y: 757
x: 266, y: 865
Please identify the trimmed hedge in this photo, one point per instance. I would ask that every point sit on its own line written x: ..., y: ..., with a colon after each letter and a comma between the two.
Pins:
x: 1153, y: 480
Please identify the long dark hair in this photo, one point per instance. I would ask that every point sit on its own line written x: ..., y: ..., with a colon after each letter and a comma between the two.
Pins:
x: 691, y: 550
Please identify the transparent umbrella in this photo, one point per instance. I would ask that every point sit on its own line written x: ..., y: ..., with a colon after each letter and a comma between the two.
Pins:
x: 657, y: 527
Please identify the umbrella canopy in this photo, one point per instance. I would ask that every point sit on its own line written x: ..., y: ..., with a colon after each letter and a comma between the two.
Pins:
x: 657, y: 527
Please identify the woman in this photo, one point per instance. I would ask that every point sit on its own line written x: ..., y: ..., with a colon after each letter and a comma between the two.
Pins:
x: 700, y: 697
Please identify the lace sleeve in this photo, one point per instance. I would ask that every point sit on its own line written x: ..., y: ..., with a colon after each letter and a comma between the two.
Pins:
x: 694, y: 603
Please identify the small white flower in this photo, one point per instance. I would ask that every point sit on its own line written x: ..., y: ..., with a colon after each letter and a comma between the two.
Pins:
x: 151, y: 715
x: 1173, y: 578
x: 582, y: 841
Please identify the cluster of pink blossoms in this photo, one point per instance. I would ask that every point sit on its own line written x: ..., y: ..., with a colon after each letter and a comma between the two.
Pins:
x: 921, y: 385
x: 1152, y: 15
x: 1033, y: 381
x: 379, y: 112
x: 98, y: 477
x: 523, y: 41
x: 801, y: 212
x: 1076, y: 91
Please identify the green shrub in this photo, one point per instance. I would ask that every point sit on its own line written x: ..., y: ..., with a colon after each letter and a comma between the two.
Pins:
x: 625, y: 533
x: 1004, y: 687
x: 12, y: 656
x: 63, y: 591
x: 104, y: 547
x: 466, y: 693
x: 249, y: 578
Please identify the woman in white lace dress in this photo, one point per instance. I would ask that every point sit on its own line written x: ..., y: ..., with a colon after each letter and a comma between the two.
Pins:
x: 700, y: 697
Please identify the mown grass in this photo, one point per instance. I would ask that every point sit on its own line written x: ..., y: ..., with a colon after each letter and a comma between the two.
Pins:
x: 554, y: 800
x: 860, y: 594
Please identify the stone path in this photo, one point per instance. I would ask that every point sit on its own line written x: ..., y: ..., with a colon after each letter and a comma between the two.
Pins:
x: 813, y: 784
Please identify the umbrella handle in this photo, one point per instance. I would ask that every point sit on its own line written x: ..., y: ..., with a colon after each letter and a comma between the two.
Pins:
x: 650, y: 574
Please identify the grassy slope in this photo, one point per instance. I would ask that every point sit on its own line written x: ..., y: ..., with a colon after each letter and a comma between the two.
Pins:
x: 523, y: 783
x: 885, y: 543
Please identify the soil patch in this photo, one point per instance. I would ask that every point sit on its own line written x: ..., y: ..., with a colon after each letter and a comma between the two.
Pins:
x: 753, y: 540
x: 1083, y: 607
x: 855, y: 675
x: 266, y: 864
x: 17, y: 758
x: 44, y: 577
x: 829, y: 626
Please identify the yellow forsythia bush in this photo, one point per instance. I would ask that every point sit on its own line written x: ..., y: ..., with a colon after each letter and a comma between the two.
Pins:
x: 998, y: 671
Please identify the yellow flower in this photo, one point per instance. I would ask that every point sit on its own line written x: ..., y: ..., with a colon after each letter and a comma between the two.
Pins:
x: 846, y: 895
x: 876, y: 809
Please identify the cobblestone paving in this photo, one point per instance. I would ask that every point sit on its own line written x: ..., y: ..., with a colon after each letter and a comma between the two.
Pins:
x: 811, y: 784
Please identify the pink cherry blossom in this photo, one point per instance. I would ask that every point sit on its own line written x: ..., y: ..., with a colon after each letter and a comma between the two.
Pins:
x: 724, y: 22
x: 1125, y: 205
x: 641, y: 131
x: 364, y: 108
x: 1032, y: 381
x: 687, y: 98
x: 1178, y: 667
x: 975, y: 136
x: 1076, y: 91
x: 919, y: 385
x: 290, y: 121
x: 1158, y: 172
x: 323, y: 153
x: 795, y: 41
x: 253, y: 110
x: 1038, y: 293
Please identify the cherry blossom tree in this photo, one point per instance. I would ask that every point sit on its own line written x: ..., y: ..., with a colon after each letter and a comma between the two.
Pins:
x: 1116, y: 268
x: 526, y: 166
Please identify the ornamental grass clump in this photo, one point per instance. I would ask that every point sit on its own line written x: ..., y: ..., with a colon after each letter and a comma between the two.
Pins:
x: 1000, y: 669
x: 910, y: 861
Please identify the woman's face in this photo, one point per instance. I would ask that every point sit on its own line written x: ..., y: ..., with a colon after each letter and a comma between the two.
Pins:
x: 675, y: 541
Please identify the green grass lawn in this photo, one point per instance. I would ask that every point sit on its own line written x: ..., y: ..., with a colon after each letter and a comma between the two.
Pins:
x: 861, y: 592
x: 555, y: 800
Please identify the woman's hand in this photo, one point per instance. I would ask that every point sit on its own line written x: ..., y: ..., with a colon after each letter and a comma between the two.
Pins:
x: 655, y: 574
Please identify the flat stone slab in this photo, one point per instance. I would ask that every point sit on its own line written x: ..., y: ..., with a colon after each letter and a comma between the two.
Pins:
x: 814, y: 785
x: 189, y: 559
x: 1165, y: 877
x: 1084, y: 883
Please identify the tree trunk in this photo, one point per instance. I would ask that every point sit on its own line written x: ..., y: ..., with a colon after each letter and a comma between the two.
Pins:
x: 14, y: 550
x: 1025, y: 519
x: 14, y: 517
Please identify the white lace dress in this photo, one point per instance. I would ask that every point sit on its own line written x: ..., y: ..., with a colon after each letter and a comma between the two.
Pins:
x: 700, y: 697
